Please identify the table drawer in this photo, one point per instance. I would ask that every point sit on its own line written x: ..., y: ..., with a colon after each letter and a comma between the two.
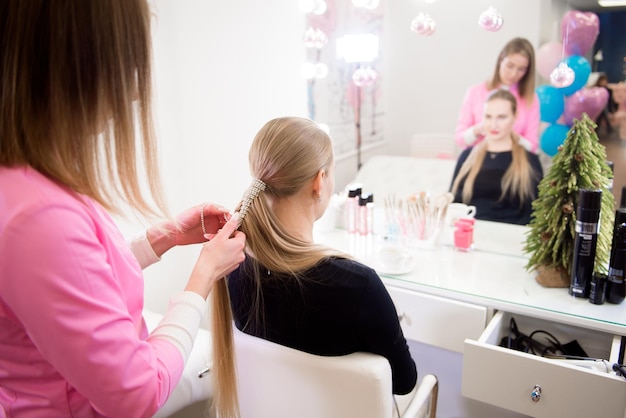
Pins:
x: 506, y: 378
x: 440, y: 322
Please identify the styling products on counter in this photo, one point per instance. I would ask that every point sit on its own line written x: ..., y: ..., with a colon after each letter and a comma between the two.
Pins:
x: 365, y: 216
x: 598, y: 289
x: 615, y: 288
x: 587, y: 217
x: 352, y: 207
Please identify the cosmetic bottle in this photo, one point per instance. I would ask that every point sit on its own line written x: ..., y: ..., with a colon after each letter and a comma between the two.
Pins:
x: 366, y: 214
x: 464, y: 234
x: 612, y: 167
x: 352, y: 206
x: 597, y: 291
x: 615, y: 287
x: 585, y: 242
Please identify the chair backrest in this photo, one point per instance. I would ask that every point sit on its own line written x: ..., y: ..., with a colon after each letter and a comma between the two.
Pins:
x: 434, y: 145
x: 280, y: 382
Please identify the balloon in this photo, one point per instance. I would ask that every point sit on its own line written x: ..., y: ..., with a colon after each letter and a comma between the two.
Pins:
x: 590, y: 100
x: 551, y: 103
x: 490, y: 20
x: 552, y: 138
x: 423, y: 24
x: 548, y: 57
x: 579, y: 31
x: 562, y: 76
x: 581, y: 69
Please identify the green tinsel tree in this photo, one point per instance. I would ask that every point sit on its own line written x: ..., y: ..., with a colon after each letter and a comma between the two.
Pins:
x: 580, y: 163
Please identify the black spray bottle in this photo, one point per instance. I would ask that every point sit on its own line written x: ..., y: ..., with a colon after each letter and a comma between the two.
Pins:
x: 615, y: 287
x: 587, y: 217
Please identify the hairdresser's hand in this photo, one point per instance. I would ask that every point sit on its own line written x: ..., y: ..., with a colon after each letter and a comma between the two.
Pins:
x: 479, y: 130
x: 187, y: 227
x: 221, y: 255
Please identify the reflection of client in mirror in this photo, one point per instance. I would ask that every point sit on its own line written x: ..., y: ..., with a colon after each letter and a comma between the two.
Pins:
x: 514, y: 71
x: 295, y: 292
x: 498, y: 175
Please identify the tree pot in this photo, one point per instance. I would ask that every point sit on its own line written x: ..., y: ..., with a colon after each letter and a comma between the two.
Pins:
x: 548, y: 276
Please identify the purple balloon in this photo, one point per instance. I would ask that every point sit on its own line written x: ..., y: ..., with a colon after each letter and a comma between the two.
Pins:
x: 579, y: 31
x: 589, y: 100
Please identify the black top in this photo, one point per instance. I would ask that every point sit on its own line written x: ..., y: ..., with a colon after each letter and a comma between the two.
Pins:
x: 340, y: 308
x: 487, y: 188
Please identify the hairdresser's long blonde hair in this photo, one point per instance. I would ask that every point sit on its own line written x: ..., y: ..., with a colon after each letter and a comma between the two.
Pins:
x: 287, y: 153
x: 75, y: 83
x: 517, y: 180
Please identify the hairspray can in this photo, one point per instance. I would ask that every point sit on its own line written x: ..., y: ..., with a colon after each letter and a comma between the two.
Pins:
x: 587, y: 216
x: 615, y: 286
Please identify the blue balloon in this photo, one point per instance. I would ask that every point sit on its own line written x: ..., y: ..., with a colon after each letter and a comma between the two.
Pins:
x: 552, y: 137
x: 551, y: 102
x: 581, y: 69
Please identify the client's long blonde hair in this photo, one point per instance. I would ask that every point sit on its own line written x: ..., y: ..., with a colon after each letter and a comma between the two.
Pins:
x: 517, y: 180
x: 287, y: 153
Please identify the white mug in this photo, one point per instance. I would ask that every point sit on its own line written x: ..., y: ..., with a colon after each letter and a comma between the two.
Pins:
x: 459, y: 210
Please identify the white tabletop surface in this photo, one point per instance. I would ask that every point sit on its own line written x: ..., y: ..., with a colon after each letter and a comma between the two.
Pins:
x: 493, y: 274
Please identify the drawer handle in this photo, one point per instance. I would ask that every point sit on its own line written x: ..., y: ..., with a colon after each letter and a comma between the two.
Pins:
x: 403, y: 317
x: 535, y: 395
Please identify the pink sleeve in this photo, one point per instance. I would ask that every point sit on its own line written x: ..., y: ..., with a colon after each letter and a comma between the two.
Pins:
x: 75, y: 309
x: 530, y: 130
x: 470, y: 113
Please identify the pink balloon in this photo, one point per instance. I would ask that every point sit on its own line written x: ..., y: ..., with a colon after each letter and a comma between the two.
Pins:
x: 549, y: 55
x: 589, y: 100
x: 579, y: 31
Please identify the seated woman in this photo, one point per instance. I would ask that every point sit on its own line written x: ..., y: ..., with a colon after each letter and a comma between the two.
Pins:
x: 292, y: 291
x: 498, y: 176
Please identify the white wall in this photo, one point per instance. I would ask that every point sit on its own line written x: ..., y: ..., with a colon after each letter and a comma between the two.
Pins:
x: 222, y: 69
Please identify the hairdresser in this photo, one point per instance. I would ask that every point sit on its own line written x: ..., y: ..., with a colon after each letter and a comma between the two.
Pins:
x: 75, y: 127
x: 515, y: 72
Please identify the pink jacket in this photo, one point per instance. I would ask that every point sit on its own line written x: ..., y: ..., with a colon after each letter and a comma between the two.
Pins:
x: 71, y: 298
x: 526, y: 125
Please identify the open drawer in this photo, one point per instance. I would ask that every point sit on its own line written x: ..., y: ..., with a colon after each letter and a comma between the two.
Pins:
x: 507, y: 378
x: 437, y: 321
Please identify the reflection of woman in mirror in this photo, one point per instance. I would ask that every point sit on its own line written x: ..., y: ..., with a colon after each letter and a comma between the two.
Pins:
x: 295, y: 292
x: 610, y: 108
x: 498, y: 175
x: 514, y: 71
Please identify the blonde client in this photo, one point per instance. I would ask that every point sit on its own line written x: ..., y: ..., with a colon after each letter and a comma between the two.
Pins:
x: 292, y: 291
x: 498, y: 176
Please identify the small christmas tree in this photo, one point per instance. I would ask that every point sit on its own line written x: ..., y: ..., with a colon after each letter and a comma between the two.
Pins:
x: 580, y: 163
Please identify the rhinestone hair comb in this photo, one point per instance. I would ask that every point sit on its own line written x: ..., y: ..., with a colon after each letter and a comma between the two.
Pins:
x: 253, y: 191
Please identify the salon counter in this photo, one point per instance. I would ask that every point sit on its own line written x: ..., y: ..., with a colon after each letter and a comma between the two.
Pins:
x: 463, y: 301
x: 493, y: 274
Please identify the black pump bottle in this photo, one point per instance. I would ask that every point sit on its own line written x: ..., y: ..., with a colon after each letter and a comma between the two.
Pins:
x: 615, y: 286
x: 587, y: 216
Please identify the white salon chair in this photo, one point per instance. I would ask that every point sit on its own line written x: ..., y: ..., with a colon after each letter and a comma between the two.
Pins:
x: 280, y: 382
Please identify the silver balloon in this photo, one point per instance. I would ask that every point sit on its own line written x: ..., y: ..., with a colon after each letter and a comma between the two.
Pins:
x: 562, y: 76
x: 364, y: 77
x: 423, y: 24
x: 490, y: 20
